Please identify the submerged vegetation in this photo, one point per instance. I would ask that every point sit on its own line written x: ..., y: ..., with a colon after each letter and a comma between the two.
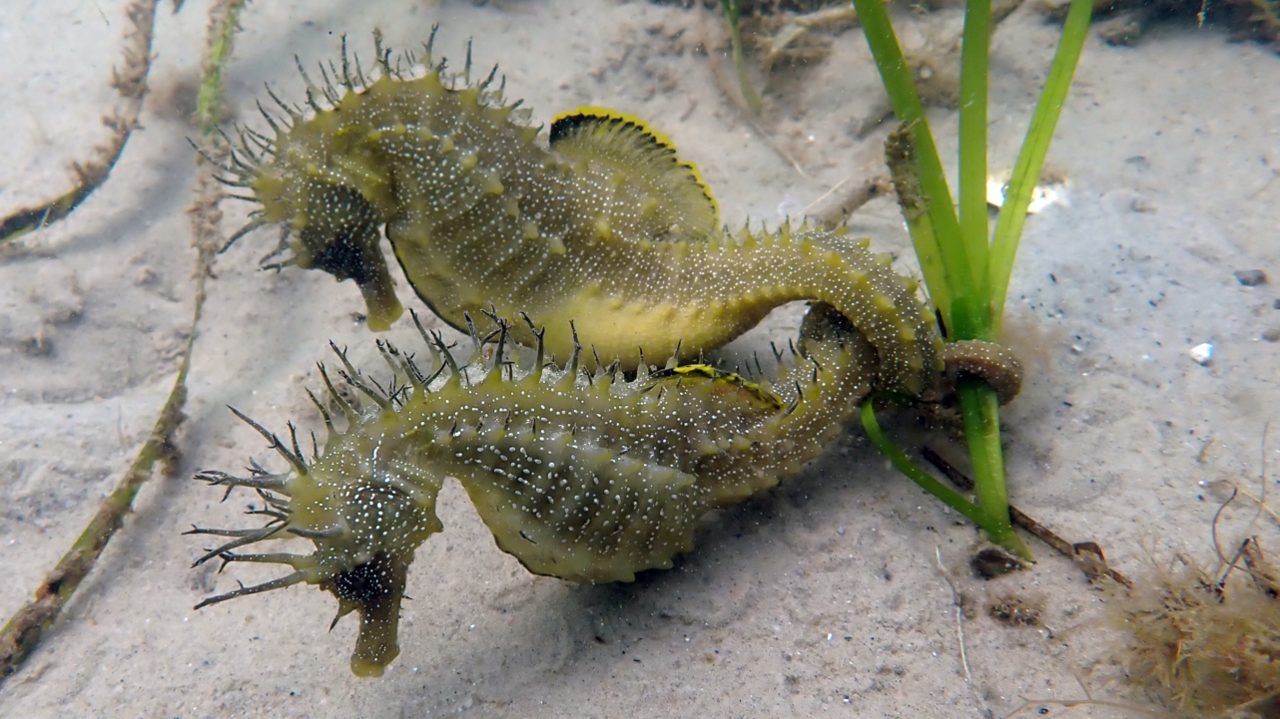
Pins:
x: 1208, y: 641
x: 1124, y: 22
x: 966, y: 267
x: 22, y: 633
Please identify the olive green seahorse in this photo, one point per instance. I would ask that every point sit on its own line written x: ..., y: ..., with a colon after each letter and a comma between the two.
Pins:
x: 582, y: 475
x: 598, y: 222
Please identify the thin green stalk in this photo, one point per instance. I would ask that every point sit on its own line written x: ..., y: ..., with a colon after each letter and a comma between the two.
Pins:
x: 997, y: 525
x: 952, y: 498
x: 1026, y: 173
x: 953, y: 276
x: 733, y: 11
x: 223, y: 22
x: 975, y: 63
x: 980, y: 408
x: 966, y: 277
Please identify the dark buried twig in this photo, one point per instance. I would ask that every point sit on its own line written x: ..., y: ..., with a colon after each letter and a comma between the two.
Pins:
x: 1087, y: 554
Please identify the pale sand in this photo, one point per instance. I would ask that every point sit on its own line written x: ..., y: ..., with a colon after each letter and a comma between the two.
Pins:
x: 822, y: 596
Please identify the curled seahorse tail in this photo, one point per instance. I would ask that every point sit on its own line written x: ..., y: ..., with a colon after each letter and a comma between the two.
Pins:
x: 744, y: 276
x: 880, y: 303
x: 996, y: 364
x: 821, y: 381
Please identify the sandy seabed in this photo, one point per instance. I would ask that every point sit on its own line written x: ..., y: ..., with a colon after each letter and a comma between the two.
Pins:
x: 824, y: 595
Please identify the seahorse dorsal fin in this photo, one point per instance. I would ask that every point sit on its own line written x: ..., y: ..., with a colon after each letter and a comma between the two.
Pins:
x: 626, y: 143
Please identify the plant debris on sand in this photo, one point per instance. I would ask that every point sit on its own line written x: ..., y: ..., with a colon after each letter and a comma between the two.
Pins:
x: 1209, y: 646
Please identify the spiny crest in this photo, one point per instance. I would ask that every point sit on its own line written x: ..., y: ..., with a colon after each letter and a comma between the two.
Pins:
x: 250, y: 151
x: 753, y: 233
x: 407, y: 377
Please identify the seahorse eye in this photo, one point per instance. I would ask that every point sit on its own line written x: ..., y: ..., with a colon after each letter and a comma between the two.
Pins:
x: 343, y: 253
x: 338, y: 226
x: 365, y: 582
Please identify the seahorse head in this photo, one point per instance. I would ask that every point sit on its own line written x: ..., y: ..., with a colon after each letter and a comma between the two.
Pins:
x: 365, y: 521
x: 367, y: 562
x: 332, y: 217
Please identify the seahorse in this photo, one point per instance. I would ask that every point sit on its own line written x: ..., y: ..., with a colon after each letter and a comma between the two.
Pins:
x: 581, y: 474
x: 598, y: 221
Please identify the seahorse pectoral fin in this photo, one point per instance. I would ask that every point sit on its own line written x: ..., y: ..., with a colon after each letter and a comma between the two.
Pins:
x: 624, y: 146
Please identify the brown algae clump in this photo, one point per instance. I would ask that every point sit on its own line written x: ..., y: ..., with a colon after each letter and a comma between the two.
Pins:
x: 1206, y: 646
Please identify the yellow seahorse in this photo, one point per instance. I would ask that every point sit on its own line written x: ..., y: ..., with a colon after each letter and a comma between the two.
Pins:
x: 598, y: 222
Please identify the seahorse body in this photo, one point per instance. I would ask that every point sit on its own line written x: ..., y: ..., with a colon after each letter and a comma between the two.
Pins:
x: 580, y: 475
x: 600, y: 223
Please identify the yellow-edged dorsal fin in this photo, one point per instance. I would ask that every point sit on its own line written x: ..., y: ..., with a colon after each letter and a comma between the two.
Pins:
x: 725, y: 381
x: 627, y: 145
